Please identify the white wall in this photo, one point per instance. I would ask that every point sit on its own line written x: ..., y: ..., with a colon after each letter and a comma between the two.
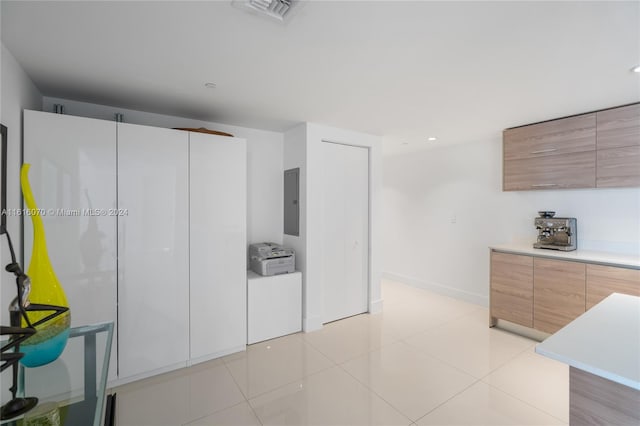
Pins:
x: 264, y: 161
x: 17, y: 91
x: 424, y: 191
x: 295, y: 155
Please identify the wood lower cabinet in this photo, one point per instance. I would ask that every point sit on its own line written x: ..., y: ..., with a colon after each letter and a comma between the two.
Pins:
x: 604, y: 280
x: 547, y: 294
x: 512, y: 288
x: 558, y: 293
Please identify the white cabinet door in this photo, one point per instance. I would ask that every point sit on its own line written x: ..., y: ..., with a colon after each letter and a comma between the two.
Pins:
x: 73, y: 176
x: 153, y: 248
x: 218, y: 245
x: 346, y: 230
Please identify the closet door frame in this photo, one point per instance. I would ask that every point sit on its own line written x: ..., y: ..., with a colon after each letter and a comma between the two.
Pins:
x: 366, y: 301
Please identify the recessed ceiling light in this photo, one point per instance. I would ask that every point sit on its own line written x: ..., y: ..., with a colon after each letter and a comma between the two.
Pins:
x: 431, y: 138
x: 636, y: 69
x: 210, y: 85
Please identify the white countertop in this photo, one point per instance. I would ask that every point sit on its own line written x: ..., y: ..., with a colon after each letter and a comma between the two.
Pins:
x: 604, y: 341
x: 603, y: 258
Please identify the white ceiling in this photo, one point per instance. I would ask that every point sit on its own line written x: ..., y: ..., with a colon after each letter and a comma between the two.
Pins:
x: 461, y: 71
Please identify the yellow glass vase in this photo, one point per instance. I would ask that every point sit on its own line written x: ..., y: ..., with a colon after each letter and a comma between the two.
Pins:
x: 51, y: 336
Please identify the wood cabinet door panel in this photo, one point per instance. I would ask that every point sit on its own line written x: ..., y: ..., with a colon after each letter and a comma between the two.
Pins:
x: 512, y: 288
x: 563, y: 136
x: 558, y: 293
x: 553, y: 172
x: 618, y: 127
x: 604, y: 280
x: 618, y: 167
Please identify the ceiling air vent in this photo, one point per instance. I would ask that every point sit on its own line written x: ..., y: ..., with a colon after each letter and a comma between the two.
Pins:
x: 277, y: 9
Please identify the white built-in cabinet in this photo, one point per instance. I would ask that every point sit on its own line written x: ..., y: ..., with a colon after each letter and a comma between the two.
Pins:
x: 153, y: 247
x: 73, y: 170
x: 218, y: 177
x: 165, y: 257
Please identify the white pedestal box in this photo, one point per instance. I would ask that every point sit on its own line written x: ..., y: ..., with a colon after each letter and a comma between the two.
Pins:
x: 274, y: 305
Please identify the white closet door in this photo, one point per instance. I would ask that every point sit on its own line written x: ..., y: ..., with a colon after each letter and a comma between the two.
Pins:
x: 73, y: 169
x: 153, y: 248
x: 218, y: 179
x: 346, y: 224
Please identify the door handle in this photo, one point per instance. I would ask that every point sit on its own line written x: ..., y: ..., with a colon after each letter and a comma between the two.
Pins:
x: 543, y: 151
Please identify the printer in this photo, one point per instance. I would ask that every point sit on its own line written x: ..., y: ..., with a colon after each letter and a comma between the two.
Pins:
x: 271, y: 259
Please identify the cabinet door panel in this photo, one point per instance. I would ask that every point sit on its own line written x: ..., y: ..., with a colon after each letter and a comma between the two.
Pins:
x: 512, y: 288
x: 553, y: 172
x: 618, y: 127
x: 558, y: 293
x: 604, y: 280
x: 153, y: 248
x: 563, y: 136
x: 618, y: 167
x: 218, y: 249
x: 73, y: 169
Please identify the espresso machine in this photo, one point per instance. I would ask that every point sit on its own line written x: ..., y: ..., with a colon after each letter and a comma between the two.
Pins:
x: 556, y: 233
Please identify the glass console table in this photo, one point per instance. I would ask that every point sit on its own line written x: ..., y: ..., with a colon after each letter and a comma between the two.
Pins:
x: 75, y: 382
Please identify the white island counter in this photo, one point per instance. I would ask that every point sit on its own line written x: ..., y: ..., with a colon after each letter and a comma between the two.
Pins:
x: 602, y: 347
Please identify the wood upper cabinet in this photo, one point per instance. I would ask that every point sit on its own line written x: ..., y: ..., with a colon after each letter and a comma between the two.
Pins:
x: 551, y: 155
x: 604, y: 280
x: 553, y: 172
x: 512, y: 288
x: 599, y: 149
x: 618, y: 142
x: 559, y: 293
x: 563, y: 136
x: 618, y: 127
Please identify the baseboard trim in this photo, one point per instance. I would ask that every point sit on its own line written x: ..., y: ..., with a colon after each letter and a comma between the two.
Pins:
x: 199, y: 360
x: 375, y: 306
x: 445, y: 290
x: 185, y: 364
x: 120, y: 381
x: 311, y: 324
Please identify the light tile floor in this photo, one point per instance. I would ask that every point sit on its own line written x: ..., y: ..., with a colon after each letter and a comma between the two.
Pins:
x: 426, y: 360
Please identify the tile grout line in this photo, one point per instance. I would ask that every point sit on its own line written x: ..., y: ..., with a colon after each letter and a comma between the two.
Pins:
x: 447, y: 400
x: 236, y: 382
x: 246, y: 399
x: 376, y: 394
x: 304, y: 376
x: 242, y: 393
x: 523, y: 401
x: 515, y: 396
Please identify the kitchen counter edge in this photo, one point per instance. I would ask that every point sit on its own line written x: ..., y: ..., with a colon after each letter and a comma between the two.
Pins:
x: 586, y: 256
